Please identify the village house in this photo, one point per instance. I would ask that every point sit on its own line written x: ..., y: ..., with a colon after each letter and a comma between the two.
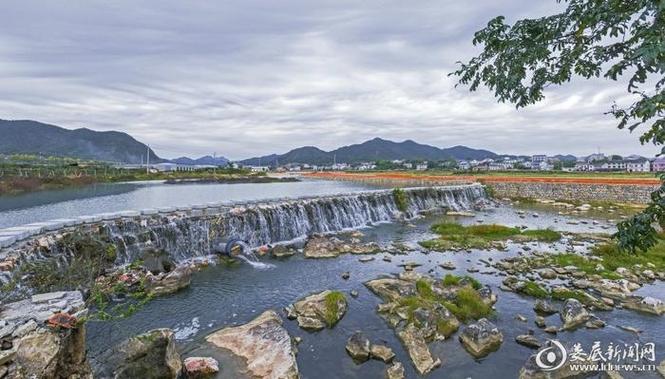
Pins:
x: 658, y: 164
x: 638, y: 165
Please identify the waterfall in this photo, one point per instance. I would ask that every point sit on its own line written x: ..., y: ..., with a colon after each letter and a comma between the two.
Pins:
x: 195, y: 232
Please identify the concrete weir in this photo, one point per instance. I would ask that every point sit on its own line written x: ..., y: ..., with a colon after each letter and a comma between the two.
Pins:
x: 194, y: 231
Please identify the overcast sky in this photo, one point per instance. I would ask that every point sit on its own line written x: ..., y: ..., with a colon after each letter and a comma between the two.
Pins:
x: 248, y: 77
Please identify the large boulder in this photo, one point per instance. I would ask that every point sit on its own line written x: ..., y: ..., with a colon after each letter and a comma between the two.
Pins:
x: 263, y: 343
x: 415, y: 344
x: 151, y: 355
x: 320, y: 310
x: 391, y: 289
x: 358, y: 347
x: 573, y: 314
x: 42, y: 336
x: 481, y: 338
x: 544, y: 307
x: 171, y: 282
x: 321, y: 247
x: 645, y: 304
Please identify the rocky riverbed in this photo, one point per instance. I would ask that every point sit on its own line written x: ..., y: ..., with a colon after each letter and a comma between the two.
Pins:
x: 374, y: 303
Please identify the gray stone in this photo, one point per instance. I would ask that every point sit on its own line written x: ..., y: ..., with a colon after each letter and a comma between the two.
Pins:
x: 395, y: 371
x: 481, y: 338
x: 358, y: 347
x: 573, y: 314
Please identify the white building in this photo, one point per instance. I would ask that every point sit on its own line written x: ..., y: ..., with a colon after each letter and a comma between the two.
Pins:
x: 259, y: 168
x: 421, y: 166
x: 638, y: 165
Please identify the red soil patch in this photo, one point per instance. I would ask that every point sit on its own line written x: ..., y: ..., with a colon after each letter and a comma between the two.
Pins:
x: 486, y: 178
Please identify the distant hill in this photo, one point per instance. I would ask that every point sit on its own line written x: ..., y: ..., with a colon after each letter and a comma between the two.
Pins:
x: 207, y: 160
x: 372, y: 150
x: 32, y: 137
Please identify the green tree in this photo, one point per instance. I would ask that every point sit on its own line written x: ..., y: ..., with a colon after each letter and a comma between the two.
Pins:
x: 615, y: 39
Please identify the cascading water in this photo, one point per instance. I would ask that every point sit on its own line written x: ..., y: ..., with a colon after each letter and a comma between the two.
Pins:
x: 247, y: 255
x: 197, y: 232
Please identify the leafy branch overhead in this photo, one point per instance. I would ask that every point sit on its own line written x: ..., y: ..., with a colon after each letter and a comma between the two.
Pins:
x: 614, y: 39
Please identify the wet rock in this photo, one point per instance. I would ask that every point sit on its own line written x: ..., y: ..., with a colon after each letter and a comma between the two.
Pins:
x: 395, y: 371
x: 551, y: 329
x: 519, y: 317
x: 200, y: 367
x: 365, y: 259
x: 353, y: 293
x: 171, y: 282
x: 547, y: 273
x: 544, y: 307
x: 415, y: 345
x: 263, y: 343
x: 447, y: 265
x: 151, y: 355
x: 390, y: 289
x: 573, y: 314
x: 528, y: 340
x: 481, y: 338
x: 157, y: 261
x: 346, y: 275
x: 321, y: 247
x: 358, y: 347
x: 594, y: 323
x: 320, y: 310
x: 645, y: 304
x: 661, y: 369
x: 282, y: 251
x: 532, y: 370
x: 382, y: 353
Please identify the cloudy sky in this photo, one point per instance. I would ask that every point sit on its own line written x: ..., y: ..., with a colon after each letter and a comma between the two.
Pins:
x: 250, y: 77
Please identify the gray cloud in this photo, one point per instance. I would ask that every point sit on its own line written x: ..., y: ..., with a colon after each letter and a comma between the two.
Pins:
x: 244, y: 78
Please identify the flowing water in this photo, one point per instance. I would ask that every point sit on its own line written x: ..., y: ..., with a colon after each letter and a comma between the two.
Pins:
x: 223, y: 296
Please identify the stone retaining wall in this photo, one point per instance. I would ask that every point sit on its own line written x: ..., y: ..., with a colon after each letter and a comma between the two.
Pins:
x: 620, y: 193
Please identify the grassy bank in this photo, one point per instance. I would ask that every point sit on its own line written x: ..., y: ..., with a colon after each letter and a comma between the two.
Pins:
x: 453, y: 235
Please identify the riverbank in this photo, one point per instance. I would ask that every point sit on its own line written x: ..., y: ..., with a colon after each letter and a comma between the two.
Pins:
x: 31, y: 182
x: 578, y: 188
x: 235, y: 180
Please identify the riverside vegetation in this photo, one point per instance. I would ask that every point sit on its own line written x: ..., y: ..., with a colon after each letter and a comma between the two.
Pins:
x: 457, y: 236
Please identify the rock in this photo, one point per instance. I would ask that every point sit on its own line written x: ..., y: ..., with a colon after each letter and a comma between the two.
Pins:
x: 447, y: 265
x: 365, y: 259
x: 353, y: 293
x: 314, y: 312
x: 551, y: 329
x: 24, y: 329
x: 540, y: 321
x: 321, y: 247
x: 573, y: 314
x: 415, y: 345
x: 390, y: 289
x: 382, y: 353
x: 661, y: 369
x: 282, y: 251
x: 157, y: 261
x: 532, y: 370
x: 594, y: 323
x: 646, y: 304
x: 519, y: 317
x: 168, y: 283
x: 150, y: 355
x: 395, y: 371
x: 358, y: 347
x: 200, y: 367
x: 481, y: 338
x: 528, y: 340
x: 346, y: 275
x: 263, y: 343
x: 544, y: 307
x: 547, y: 273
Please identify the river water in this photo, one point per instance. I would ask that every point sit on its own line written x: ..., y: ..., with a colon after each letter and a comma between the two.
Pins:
x: 221, y: 296
x: 115, y: 197
x: 224, y: 296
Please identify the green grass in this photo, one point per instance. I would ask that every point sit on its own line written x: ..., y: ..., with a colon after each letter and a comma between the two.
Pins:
x: 613, y: 258
x: 401, y: 199
x: 332, y: 301
x: 533, y: 289
x: 453, y: 235
x: 468, y: 305
x: 565, y: 293
x: 583, y: 264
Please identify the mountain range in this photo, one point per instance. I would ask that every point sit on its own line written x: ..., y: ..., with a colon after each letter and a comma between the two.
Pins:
x: 32, y: 137
x: 372, y: 150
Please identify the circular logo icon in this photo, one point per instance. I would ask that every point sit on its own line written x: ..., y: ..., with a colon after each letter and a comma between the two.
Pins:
x: 552, y: 357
